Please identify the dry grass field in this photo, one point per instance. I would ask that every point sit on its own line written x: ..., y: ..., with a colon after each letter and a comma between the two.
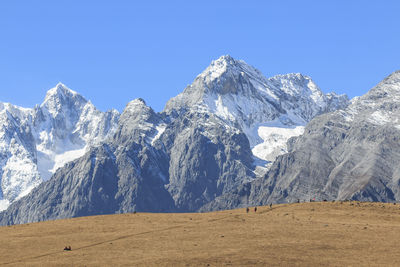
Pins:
x: 305, y: 234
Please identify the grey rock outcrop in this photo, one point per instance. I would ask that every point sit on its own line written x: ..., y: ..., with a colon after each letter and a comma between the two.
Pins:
x: 348, y: 154
x: 206, y: 159
x: 120, y: 176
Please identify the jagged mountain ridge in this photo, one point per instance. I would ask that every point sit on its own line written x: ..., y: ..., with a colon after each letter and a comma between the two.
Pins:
x: 347, y: 154
x: 268, y: 111
x: 35, y: 142
x: 199, y: 148
x: 241, y: 95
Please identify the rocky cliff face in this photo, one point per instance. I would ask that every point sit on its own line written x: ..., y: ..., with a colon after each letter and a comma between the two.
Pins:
x: 207, y: 143
x: 206, y: 159
x: 124, y: 175
x: 239, y: 122
x: 347, y: 154
x: 267, y: 111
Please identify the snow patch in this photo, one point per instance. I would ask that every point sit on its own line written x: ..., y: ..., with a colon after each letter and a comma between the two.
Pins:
x: 4, y: 203
x: 380, y: 117
x: 274, y: 141
x: 48, y: 160
x: 61, y: 159
x: 222, y: 110
x: 160, y: 129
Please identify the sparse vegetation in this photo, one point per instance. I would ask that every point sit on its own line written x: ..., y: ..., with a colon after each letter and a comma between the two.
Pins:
x: 304, y: 234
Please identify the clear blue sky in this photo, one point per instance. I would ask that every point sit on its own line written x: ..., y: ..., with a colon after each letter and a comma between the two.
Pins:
x: 114, y: 51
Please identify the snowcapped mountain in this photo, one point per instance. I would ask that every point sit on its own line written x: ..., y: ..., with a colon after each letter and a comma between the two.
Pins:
x: 18, y: 156
x: 34, y: 143
x: 65, y: 125
x: 352, y: 153
x: 379, y: 106
x: 216, y: 136
x: 268, y: 111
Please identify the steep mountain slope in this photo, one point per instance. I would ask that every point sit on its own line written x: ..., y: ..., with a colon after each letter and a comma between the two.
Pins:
x: 34, y: 143
x: 140, y: 168
x: 65, y: 125
x: 348, y: 154
x: 206, y: 158
x: 18, y: 157
x: 121, y: 176
x: 199, y: 148
x: 229, y: 103
x: 268, y: 111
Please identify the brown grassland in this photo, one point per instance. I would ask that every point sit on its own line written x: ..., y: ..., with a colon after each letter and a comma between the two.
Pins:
x: 305, y: 234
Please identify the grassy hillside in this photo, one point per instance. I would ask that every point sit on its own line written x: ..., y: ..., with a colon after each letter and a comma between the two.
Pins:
x: 305, y: 234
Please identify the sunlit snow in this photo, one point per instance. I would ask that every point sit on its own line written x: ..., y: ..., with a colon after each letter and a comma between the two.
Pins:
x: 48, y: 162
x: 380, y: 117
x: 37, y: 141
x: 274, y: 141
x: 160, y: 129
x: 4, y: 203
x: 268, y: 110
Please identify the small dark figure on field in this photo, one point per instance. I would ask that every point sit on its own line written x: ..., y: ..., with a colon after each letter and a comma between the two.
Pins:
x: 255, y: 209
x: 247, y: 210
x: 67, y: 248
x: 270, y: 206
x: 298, y: 200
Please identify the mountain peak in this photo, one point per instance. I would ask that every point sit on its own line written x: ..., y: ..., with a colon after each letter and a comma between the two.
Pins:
x: 227, y: 65
x: 388, y: 89
x: 61, y: 96
x: 217, y: 68
x: 60, y: 89
x: 392, y: 78
x: 224, y: 58
x: 233, y: 88
x: 137, y: 105
x: 296, y: 83
x: 137, y: 102
x: 221, y: 77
